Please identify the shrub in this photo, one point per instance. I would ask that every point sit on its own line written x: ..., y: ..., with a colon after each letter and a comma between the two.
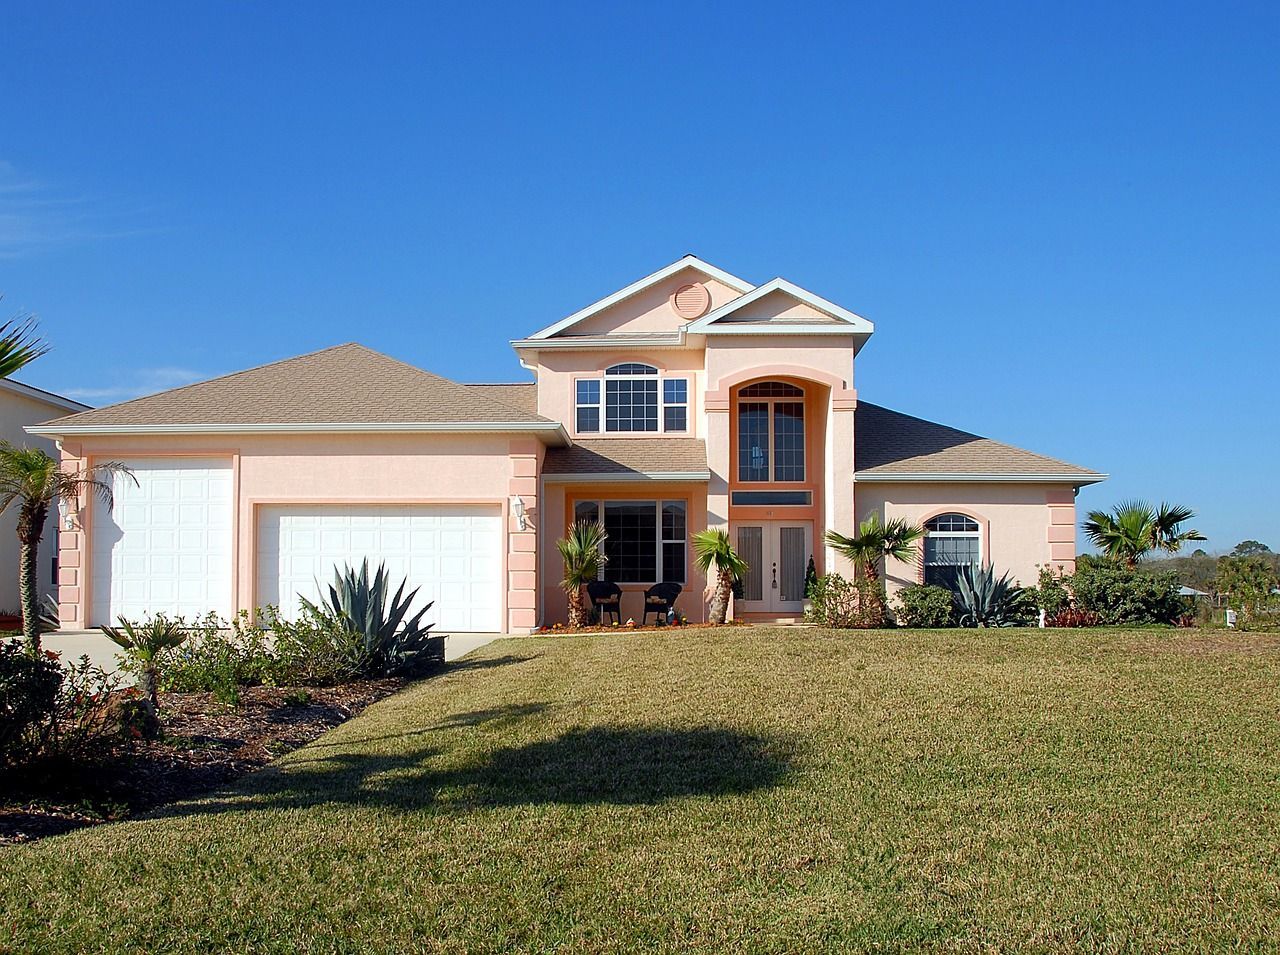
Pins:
x: 220, y: 658
x: 846, y: 604
x: 145, y: 645
x: 1120, y: 595
x: 1249, y: 583
x: 1071, y: 617
x: 983, y: 600
x: 314, y: 650
x: 28, y: 690
x: 1051, y: 594
x: 925, y: 606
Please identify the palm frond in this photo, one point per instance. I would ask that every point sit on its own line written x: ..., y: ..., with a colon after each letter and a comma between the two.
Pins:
x: 19, y: 345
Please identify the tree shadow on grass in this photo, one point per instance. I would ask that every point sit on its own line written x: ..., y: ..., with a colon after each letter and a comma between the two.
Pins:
x: 621, y: 765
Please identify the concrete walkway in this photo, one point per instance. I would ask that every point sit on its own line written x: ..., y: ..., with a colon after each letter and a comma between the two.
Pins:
x: 73, y: 644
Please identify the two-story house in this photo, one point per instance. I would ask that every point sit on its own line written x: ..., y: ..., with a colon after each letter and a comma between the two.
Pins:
x: 691, y: 398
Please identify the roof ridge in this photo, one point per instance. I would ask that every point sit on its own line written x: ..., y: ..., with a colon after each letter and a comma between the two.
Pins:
x: 232, y: 374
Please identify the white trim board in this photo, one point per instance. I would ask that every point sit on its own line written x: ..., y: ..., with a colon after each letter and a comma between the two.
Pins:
x: 687, y: 262
x: 975, y: 478
x: 851, y: 323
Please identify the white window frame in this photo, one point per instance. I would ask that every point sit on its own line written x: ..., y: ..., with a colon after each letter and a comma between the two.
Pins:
x: 660, y: 539
x: 658, y: 376
x: 971, y: 535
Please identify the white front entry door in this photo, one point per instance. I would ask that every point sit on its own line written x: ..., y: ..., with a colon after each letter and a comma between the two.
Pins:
x: 165, y: 544
x: 453, y: 554
x: 777, y: 555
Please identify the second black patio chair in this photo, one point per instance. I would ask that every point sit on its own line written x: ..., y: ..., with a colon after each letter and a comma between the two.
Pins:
x: 606, y: 598
x: 659, y: 599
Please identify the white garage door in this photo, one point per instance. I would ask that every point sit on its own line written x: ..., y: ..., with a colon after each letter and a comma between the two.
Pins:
x: 454, y: 554
x: 165, y: 546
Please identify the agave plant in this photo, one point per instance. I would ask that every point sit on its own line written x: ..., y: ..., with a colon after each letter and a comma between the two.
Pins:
x: 394, y: 645
x: 985, y: 601
x: 144, y: 644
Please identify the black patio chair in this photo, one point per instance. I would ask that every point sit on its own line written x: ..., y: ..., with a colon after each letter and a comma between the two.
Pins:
x: 659, y: 599
x: 606, y: 598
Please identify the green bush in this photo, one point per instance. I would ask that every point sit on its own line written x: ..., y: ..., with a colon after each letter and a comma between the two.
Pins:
x: 1119, y: 595
x: 1050, y: 594
x: 1249, y: 585
x: 923, y: 606
x: 846, y: 604
x: 28, y: 691
x: 313, y: 650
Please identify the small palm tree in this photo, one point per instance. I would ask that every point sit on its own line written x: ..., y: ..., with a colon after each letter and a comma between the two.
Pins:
x: 896, y: 539
x: 146, y: 644
x: 1135, y: 528
x: 19, y: 344
x: 582, y: 551
x: 719, y: 562
x: 33, y: 480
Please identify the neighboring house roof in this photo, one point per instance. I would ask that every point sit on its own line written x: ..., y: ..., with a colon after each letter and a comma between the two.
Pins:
x: 39, y: 394
x: 522, y: 395
x: 344, y: 388
x: 629, y: 459
x: 840, y: 321
x: 688, y: 262
x: 891, y: 446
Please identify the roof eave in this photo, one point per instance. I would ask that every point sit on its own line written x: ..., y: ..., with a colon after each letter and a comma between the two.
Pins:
x: 46, y: 397
x: 548, y: 428
x: 977, y: 477
x: 613, y: 477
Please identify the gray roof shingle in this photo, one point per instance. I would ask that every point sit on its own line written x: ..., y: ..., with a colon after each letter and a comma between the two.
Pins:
x: 623, y: 456
x: 891, y: 443
x: 344, y: 384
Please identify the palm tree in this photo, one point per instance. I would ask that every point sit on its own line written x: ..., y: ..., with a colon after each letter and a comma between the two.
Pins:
x: 719, y: 562
x: 582, y: 551
x: 896, y: 539
x: 19, y: 344
x: 33, y: 479
x: 1134, y: 528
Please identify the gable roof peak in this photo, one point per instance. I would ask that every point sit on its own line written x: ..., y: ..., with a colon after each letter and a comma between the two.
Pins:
x: 688, y: 260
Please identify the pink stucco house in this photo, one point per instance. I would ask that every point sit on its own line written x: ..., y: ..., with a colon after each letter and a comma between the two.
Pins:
x: 690, y: 398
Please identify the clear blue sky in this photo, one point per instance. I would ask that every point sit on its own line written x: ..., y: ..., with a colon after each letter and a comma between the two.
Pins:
x: 1064, y: 219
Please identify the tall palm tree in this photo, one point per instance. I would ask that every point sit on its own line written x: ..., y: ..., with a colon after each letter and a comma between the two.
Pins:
x: 896, y: 539
x: 19, y: 344
x: 33, y: 480
x: 714, y: 555
x: 1133, y: 529
x: 582, y: 551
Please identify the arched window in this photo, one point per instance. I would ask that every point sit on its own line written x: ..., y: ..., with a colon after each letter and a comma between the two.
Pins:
x: 952, y: 541
x: 771, y: 432
x: 631, y: 397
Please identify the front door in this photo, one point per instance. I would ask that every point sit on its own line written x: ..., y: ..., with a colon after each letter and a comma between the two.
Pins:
x: 777, y: 555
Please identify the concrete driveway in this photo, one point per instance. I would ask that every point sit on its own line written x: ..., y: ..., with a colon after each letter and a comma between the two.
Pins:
x: 73, y: 644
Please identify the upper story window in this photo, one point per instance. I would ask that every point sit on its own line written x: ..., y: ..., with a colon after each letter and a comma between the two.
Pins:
x: 953, y: 541
x: 771, y: 432
x: 633, y: 398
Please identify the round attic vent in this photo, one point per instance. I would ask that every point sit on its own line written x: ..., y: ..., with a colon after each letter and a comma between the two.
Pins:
x: 690, y: 301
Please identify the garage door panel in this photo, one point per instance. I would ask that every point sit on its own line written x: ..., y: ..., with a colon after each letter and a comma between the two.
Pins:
x: 165, y: 547
x: 451, y: 555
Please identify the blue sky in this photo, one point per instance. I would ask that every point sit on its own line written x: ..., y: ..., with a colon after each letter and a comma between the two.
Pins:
x: 1063, y: 218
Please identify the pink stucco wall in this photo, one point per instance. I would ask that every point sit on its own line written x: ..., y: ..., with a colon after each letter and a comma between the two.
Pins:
x: 337, y: 469
x: 650, y: 310
x: 1023, y: 526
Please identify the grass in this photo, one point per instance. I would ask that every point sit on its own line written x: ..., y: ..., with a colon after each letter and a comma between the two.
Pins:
x: 728, y: 790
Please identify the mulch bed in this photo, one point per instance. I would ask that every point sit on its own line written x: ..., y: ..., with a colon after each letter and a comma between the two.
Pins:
x: 206, y: 744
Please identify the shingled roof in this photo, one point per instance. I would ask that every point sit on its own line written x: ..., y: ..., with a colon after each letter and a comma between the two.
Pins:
x: 621, y: 458
x: 347, y: 385
x: 522, y: 395
x: 892, y: 445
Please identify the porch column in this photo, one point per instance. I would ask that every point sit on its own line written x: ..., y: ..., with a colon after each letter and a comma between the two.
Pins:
x: 717, y: 437
x: 841, y: 514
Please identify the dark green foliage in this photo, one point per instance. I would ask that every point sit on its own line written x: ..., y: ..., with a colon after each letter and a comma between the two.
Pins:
x: 1250, y: 548
x: 983, y: 600
x: 29, y: 685
x: 925, y: 607
x: 846, y: 604
x: 393, y: 645
x: 810, y: 579
x: 1120, y: 595
x: 1249, y: 585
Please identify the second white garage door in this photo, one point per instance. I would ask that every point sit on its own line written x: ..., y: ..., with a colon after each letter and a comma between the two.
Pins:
x: 454, y: 554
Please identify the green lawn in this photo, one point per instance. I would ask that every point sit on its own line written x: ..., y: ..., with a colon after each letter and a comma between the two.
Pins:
x: 767, y: 790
